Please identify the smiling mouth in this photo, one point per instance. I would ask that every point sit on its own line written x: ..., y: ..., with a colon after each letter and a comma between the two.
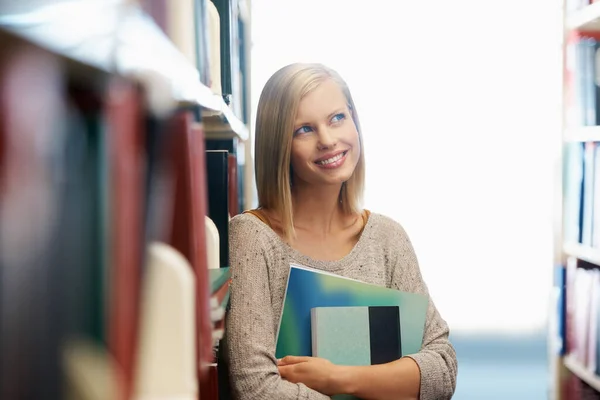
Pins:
x: 332, y: 159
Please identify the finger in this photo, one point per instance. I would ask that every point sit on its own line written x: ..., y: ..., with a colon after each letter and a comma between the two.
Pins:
x: 287, y: 373
x: 288, y: 360
x: 284, y: 371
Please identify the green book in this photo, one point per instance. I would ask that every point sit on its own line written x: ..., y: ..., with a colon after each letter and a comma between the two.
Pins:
x: 356, y: 335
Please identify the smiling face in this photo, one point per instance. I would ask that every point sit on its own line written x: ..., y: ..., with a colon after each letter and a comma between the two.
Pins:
x: 325, y: 145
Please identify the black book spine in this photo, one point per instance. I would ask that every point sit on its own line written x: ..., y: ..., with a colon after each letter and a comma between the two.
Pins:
x: 384, y: 331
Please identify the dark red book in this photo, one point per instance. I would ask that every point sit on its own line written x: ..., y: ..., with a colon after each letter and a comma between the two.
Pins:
x: 234, y: 207
x: 31, y: 312
x: 127, y: 181
x: 188, y: 234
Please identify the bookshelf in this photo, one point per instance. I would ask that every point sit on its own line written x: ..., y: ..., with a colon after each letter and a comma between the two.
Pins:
x: 574, y: 342
x: 586, y: 253
x: 585, y: 17
x: 582, y: 373
x: 583, y: 134
x: 110, y: 112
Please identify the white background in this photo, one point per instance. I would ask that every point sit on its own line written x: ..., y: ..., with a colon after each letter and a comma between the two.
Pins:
x: 460, y: 107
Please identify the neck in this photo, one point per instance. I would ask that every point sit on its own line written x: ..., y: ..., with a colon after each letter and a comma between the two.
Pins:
x: 317, y: 209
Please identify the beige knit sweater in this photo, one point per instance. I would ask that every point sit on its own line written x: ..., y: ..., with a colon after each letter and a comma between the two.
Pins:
x: 260, y: 262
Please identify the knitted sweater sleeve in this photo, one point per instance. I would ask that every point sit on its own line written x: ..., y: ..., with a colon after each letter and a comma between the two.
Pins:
x: 250, y: 337
x: 437, y: 357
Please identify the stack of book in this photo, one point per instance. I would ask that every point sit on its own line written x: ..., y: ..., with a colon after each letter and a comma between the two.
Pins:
x: 346, y: 321
x: 582, y: 314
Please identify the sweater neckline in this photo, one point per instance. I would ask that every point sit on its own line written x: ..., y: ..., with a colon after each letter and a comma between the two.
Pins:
x: 326, y: 265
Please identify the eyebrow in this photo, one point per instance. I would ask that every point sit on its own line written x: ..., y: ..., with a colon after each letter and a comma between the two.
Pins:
x: 337, y: 111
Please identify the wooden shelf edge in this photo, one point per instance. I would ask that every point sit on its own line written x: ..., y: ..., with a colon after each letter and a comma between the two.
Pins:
x: 217, y: 126
x: 585, y: 19
x: 582, y: 252
x: 146, y: 55
x: 582, y: 372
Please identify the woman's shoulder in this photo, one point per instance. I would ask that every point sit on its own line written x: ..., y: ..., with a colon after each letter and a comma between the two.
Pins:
x: 385, y: 226
x: 251, y: 225
x: 390, y: 236
x: 247, y: 220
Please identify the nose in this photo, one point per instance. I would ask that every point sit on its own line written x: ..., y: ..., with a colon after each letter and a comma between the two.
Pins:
x: 327, y: 139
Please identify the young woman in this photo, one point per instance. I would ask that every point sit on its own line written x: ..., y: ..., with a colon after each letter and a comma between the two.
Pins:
x: 310, y: 173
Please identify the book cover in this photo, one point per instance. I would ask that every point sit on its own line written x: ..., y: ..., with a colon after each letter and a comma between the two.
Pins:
x: 309, y: 288
x: 188, y: 233
x: 213, y: 241
x: 232, y: 172
x: 588, y: 193
x: 167, y: 327
x: 594, y: 307
x: 218, y: 277
x: 218, y: 198
x: 573, y: 189
x: 375, y: 338
x: 126, y: 174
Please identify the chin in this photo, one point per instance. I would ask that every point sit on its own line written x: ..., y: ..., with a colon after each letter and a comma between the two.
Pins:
x: 318, y: 179
x: 342, y: 178
x: 334, y: 179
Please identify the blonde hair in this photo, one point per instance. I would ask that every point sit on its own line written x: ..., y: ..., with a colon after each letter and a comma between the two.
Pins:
x: 275, y: 118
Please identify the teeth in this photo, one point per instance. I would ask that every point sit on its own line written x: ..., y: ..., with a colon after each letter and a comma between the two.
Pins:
x: 331, y: 160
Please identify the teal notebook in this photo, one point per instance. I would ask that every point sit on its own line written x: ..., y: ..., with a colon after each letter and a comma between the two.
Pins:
x: 356, y: 335
x: 309, y: 288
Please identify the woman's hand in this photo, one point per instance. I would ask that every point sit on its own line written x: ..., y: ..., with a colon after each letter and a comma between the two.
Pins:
x: 316, y: 373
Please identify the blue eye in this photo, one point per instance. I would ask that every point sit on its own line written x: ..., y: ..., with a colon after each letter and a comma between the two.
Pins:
x: 303, y: 129
x: 338, y: 117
